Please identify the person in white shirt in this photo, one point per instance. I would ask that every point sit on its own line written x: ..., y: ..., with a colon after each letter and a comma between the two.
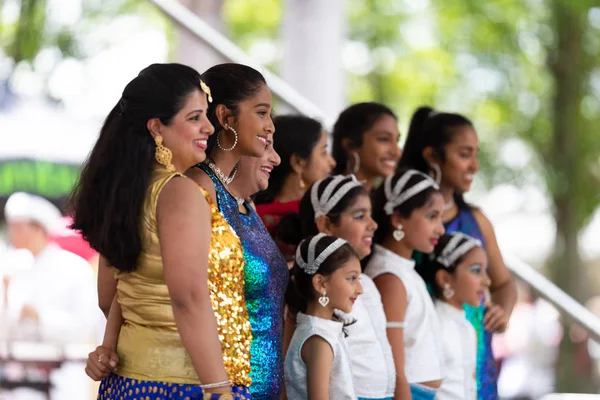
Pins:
x: 325, y: 277
x: 408, y: 209
x: 456, y: 273
x: 55, y: 300
x: 340, y: 206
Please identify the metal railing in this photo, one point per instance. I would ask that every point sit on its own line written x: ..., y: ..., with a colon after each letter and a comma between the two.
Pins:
x: 188, y: 20
x: 568, y: 306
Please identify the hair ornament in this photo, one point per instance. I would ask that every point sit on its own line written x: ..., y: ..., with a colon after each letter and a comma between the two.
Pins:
x: 453, y: 251
x: 313, y: 262
x: 206, y: 90
x: 328, y: 200
x: 395, y: 196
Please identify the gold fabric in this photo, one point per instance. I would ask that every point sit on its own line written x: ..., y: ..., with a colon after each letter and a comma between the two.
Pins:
x: 150, y: 347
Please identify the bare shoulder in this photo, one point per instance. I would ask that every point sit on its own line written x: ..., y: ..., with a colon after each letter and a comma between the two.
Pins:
x: 484, y: 223
x: 391, y: 285
x: 316, y: 350
x: 393, y: 296
x: 202, y: 179
x: 181, y: 194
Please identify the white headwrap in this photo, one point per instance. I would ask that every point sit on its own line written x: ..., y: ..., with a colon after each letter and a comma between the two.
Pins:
x: 397, y: 195
x: 312, y: 264
x: 452, y: 251
x: 22, y: 206
x: 328, y: 200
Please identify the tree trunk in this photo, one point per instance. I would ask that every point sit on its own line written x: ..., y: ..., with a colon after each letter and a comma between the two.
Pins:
x: 567, y: 69
x: 191, y: 50
x: 313, y: 36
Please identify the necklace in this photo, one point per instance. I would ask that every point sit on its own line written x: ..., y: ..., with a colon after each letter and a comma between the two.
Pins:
x: 225, y: 180
x: 449, y: 205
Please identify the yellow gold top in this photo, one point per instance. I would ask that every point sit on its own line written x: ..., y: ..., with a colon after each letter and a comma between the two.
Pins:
x: 150, y: 347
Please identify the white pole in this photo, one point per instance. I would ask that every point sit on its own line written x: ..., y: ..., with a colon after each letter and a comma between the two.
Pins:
x: 314, y: 32
x: 191, y: 51
x: 187, y: 19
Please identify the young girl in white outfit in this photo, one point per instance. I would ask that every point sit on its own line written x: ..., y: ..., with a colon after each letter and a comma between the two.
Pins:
x: 340, y: 206
x: 325, y: 277
x: 456, y: 271
x: 408, y: 208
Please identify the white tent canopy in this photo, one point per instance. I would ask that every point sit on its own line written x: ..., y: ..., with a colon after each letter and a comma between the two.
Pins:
x: 37, y: 130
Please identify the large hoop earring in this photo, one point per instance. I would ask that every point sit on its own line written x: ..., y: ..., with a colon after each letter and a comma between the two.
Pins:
x: 234, y: 142
x: 437, y: 173
x: 163, y: 155
x: 356, y: 167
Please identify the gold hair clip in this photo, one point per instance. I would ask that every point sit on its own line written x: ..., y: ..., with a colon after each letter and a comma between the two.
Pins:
x: 206, y: 90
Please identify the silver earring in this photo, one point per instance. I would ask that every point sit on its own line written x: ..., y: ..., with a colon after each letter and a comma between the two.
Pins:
x: 356, y: 163
x: 234, y: 142
x: 398, y: 233
x: 448, y: 292
x: 324, y: 300
x: 437, y: 173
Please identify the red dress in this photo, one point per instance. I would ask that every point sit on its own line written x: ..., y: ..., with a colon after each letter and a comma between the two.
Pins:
x: 271, y: 214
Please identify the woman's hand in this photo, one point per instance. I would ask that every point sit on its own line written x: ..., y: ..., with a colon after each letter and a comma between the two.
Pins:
x: 101, y: 362
x: 495, y: 319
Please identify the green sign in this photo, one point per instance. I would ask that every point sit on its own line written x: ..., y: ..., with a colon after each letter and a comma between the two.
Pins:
x: 45, y: 178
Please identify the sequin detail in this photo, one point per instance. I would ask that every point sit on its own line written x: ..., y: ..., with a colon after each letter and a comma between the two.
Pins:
x: 226, y: 286
x: 115, y: 387
x: 266, y: 280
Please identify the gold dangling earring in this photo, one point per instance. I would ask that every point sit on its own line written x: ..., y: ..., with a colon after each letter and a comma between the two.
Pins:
x: 163, y: 155
x: 301, y: 181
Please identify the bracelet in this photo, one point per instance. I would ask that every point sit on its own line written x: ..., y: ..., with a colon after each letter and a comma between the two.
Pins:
x: 216, y: 385
x: 220, y: 396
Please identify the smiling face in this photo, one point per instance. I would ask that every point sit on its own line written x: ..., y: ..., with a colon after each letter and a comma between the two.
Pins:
x: 342, y: 287
x: 356, y: 226
x: 379, y: 153
x: 424, y: 226
x: 319, y: 164
x: 254, y: 172
x: 461, y: 162
x: 187, y: 133
x: 470, y: 279
x: 253, y: 123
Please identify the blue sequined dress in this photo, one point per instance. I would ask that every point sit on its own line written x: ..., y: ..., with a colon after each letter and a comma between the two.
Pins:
x: 487, y: 370
x: 266, y: 281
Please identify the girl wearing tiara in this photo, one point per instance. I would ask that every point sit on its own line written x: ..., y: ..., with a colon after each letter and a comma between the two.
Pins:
x: 456, y: 271
x: 446, y: 145
x: 340, y: 206
x: 408, y: 209
x: 325, y: 277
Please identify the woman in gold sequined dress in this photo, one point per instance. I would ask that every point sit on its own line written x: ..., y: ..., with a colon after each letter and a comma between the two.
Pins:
x: 179, y: 266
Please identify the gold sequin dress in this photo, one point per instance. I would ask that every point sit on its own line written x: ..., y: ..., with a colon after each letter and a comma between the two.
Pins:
x: 151, y: 353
